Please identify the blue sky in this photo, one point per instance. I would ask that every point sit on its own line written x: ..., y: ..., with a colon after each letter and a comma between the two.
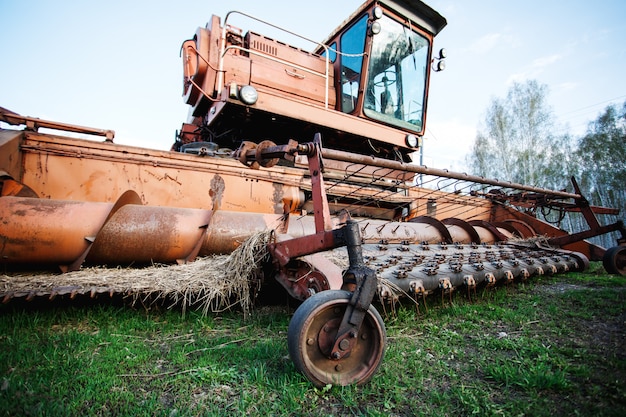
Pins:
x: 115, y: 64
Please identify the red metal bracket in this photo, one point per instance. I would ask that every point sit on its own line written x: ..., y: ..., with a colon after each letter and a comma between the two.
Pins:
x: 595, y: 229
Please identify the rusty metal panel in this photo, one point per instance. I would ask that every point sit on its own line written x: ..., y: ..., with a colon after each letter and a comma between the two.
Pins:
x: 290, y: 70
x: 62, y: 168
x: 442, y: 205
x: 236, y: 69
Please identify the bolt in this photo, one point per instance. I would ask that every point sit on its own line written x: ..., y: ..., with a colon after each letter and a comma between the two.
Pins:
x: 363, y: 336
x: 344, y: 344
x: 310, y: 341
x: 326, y: 329
x: 336, y: 355
x: 338, y: 368
x: 353, y: 334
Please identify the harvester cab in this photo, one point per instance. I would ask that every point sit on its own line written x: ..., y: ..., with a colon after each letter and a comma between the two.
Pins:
x: 364, y: 88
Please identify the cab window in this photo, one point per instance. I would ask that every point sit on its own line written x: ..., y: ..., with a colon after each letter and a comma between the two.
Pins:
x: 396, y: 87
x: 352, y: 44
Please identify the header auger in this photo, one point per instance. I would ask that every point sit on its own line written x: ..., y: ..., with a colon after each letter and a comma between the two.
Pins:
x: 312, y: 146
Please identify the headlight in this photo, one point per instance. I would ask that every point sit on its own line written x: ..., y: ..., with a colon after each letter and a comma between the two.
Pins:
x: 378, y: 12
x: 248, y: 95
x: 411, y: 141
x: 375, y: 28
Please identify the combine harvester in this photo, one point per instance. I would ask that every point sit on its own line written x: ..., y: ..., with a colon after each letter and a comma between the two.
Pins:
x: 314, y: 146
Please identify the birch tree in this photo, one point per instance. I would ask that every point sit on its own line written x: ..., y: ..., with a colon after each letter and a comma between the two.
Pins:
x: 601, y: 163
x: 518, y: 142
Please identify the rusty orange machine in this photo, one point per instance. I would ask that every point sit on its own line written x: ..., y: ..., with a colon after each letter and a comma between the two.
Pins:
x: 315, y: 146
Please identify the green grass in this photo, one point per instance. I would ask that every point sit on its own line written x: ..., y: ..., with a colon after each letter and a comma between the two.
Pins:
x: 551, y: 347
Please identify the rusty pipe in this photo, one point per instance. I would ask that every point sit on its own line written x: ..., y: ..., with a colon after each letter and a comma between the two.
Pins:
x: 421, y: 169
x: 41, y: 231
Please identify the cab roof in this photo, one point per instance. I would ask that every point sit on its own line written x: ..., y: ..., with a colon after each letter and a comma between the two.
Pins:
x: 419, y: 13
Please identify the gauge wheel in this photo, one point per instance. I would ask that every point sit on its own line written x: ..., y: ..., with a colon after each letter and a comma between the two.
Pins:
x: 312, y: 333
x: 614, y: 260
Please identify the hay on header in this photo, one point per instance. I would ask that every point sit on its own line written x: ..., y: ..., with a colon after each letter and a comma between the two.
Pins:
x: 211, y: 284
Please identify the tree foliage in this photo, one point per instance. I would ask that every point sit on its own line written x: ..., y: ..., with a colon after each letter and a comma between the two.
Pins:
x: 518, y: 142
x: 601, y: 159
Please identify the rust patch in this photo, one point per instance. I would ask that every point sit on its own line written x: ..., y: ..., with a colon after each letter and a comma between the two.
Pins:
x: 277, y: 198
x: 217, y: 191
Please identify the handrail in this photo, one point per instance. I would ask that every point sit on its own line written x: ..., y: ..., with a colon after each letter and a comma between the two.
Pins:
x: 34, y: 123
x: 190, y: 78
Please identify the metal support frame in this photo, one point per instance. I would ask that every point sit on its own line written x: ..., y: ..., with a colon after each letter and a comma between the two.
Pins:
x: 362, y: 282
x: 325, y: 238
x: 595, y: 229
x: 358, y: 278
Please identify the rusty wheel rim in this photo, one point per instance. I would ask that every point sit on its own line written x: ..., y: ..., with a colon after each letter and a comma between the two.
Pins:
x: 315, y: 330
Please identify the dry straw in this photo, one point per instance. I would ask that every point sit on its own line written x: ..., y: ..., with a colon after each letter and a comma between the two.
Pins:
x: 210, y: 284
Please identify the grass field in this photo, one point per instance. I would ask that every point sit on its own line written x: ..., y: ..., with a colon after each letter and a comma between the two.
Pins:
x: 552, y: 347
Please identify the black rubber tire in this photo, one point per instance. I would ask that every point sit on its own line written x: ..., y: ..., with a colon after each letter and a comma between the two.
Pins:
x: 320, y: 315
x: 614, y: 260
